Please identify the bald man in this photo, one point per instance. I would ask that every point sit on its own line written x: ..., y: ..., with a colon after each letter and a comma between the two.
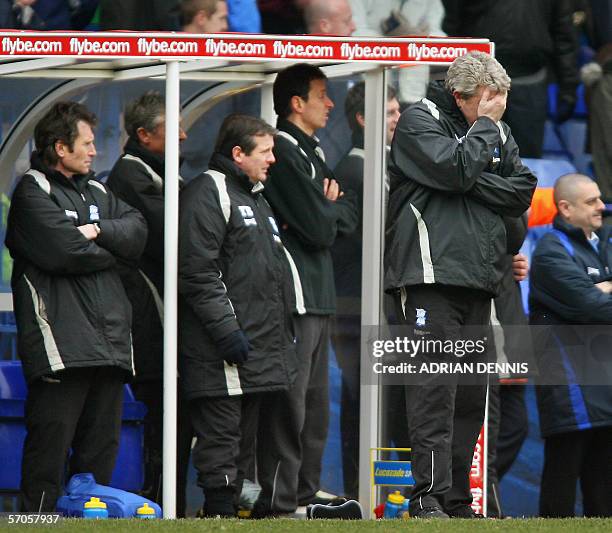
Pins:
x: 570, y: 290
x: 329, y: 17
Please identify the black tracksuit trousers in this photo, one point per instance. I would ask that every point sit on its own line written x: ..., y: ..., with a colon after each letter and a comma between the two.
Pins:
x: 444, y: 416
x: 291, y: 438
x: 577, y: 455
x: 226, y: 429
x: 78, y: 409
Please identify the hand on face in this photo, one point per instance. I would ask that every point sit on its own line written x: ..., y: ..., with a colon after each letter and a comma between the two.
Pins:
x: 492, y: 104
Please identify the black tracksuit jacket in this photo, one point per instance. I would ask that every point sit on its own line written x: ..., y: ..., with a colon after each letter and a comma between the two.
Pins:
x: 309, y: 222
x: 70, y: 306
x: 451, y: 186
x: 347, y: 250
x: 234, y: 273
x: 138, y: 179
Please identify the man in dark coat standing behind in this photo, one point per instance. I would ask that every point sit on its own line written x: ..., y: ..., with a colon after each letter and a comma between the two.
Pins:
x: 138, y: 179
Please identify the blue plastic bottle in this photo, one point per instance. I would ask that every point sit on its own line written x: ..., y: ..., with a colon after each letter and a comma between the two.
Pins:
x: 394, y: 504
x: 405, y: 510
x: 95, y: 509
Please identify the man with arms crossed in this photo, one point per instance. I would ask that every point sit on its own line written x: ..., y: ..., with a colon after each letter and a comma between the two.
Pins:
x: 66, y: 232
x: 311, y: 210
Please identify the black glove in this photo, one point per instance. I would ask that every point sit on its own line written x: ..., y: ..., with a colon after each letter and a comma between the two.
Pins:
x: 234, y: 348
x: 565, y: 108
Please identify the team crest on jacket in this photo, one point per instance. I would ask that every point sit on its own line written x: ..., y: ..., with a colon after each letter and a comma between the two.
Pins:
x: 421, y: 317
x: 496, y: 158
x: 94, y: 214
x: 247, y: 215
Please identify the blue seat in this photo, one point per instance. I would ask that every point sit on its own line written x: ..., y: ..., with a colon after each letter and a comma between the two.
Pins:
x: 548, y: 170
x: 567, y: 140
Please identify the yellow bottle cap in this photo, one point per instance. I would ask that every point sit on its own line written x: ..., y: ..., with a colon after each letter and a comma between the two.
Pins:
x: 396, y: 497
x: 145, y: 509
x: 95, y: 503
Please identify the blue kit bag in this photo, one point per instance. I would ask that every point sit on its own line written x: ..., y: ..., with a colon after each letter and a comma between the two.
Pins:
x: 120, y: 503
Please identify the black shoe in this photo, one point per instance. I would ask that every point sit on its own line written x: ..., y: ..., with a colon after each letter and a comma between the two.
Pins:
x: 429, y: 512
x: 261, y: 509
x: 219, y: 503
x: 464, y: 511
x: 349, y: 510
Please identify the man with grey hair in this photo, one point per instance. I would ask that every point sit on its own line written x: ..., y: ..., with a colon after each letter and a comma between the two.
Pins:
x: 138, y: 179
x: 570, y: 289
x: 455, y: 174
x: 329, y: 17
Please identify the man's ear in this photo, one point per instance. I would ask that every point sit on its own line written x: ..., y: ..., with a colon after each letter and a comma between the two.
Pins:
x: 60, y: 148
x: 360, y: 119
x: 458, y: 99
x: 563, y: 208
x: 143, y: 136
x: 201, y: 19
x: 296, y: 104
x: 237, y: 154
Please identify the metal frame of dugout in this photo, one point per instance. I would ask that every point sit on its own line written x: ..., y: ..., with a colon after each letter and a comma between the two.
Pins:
x: 237, y: 61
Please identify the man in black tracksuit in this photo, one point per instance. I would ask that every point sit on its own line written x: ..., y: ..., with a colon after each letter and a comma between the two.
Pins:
x: 138, y: 179
x: 455, y: 172
x: 570, y: 290
x: 236, y: 334
x: 66, y: 233
x: 311, y: 211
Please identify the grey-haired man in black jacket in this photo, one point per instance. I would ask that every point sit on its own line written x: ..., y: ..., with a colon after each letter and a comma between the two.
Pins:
x: 138, y: 179
x: 455, y: 173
